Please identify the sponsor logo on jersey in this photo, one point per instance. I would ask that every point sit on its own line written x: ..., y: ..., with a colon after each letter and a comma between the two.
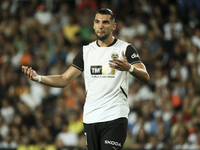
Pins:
x: 102, y: 70
x: 96, y: 70
x: 112, y: 143
x: 115, y: 56
x: 134, y: 55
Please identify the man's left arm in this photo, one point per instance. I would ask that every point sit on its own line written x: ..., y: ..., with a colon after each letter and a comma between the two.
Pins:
x: 140, y: 72
x: 133, y: 64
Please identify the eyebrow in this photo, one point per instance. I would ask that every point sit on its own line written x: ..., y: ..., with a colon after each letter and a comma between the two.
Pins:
x: 102, y: 21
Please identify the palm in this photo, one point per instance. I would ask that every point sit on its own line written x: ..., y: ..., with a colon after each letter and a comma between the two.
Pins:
x: 120, y: 64
x: 30, y: 73
x: 34, y: 76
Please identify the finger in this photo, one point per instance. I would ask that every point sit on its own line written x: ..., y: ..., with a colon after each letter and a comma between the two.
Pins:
x: 25, y: 70
x: 123, y: 54
x: 22, y: 68
x: 112, y: 65
x: 31, y: 72
x: 116, y: 61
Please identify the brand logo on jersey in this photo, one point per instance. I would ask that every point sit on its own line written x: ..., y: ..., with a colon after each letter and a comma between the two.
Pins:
x: 102, y: 70
x: 112, y: 143
x: 115, y: 56
x: 134, y: 55
x: 91, y: 56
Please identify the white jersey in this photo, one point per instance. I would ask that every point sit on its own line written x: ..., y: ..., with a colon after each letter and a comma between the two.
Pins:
x: 106, y: 88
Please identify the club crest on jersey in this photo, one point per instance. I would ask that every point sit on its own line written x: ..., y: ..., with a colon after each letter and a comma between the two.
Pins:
x: 115, y: 56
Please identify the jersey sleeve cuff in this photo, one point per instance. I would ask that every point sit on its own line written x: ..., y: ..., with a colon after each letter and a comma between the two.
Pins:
x: 136, y: 62
x: 77, y: 67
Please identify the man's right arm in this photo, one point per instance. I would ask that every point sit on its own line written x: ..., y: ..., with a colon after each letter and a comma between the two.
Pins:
x: 53, y: 80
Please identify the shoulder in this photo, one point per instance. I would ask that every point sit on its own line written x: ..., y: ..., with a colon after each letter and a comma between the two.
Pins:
x: 92, y: 44
x: 126, y: 45
x: 122, y: 43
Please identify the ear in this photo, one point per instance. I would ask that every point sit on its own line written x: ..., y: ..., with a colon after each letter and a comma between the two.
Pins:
x: 114, y: 26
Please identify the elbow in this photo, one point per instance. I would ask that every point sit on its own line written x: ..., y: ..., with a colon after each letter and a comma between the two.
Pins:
x: 64, y: 82
x: 146, y: 79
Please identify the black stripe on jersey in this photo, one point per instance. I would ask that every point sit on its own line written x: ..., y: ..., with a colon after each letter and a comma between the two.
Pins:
x: 135, y: 62
x: 132, y: 55
x: 78, y: 61
x: 77, y: 67
x: 124, y: 92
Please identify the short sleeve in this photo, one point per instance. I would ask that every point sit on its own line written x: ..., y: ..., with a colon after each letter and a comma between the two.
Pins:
x: 78, y: 61
x: 132, y: 55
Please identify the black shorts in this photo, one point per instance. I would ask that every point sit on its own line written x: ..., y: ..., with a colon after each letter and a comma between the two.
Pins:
x: 109, y: 135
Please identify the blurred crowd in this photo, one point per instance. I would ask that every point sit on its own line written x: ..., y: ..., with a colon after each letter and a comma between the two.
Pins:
x: 46, y: 35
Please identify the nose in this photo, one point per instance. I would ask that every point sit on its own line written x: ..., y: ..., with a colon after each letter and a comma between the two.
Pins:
x: 100, y: 25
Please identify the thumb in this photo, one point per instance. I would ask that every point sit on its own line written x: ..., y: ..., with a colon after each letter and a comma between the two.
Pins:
x: 123, y: 54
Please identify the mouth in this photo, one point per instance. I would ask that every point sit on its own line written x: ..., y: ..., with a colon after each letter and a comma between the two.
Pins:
x: 100, y: 32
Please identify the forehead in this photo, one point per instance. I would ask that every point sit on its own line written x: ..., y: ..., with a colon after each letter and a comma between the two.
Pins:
x: 102, y: 17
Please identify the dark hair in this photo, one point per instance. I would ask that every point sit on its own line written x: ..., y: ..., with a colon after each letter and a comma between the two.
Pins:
x: 107, y: 11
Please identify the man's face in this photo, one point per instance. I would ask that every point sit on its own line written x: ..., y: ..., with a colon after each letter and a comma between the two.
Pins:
x: 103, y: 26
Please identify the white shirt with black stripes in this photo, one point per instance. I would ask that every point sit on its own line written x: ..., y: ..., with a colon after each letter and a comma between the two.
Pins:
x: 106, y: 88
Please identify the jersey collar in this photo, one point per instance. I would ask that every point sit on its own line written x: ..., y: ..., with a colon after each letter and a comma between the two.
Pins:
x: 115, y: 40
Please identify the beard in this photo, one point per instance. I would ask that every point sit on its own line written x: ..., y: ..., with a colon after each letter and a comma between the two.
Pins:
x: 102, y: 38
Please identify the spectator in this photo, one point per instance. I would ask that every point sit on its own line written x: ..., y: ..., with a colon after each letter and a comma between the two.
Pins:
x: 4, y: 128
x: 86, y: 30
x: 180, y: 140
x: 153, y: 143
x: 196, y: 37
x: 43, y: 16
x: 172, y: 27
x: 196, y: 145
x: 68, y: 138
x: 8, y: 142
x: 140, y: 139
x: 7, y: 111
x: 71, y: 29
x: 56, y: 126
x: 75, y: 123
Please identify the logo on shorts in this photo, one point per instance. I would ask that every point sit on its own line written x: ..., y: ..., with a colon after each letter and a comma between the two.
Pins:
x: 112, y: 143
x: 115, y: 148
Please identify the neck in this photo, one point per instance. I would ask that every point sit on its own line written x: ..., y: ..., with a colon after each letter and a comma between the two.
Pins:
x: 106, y: 42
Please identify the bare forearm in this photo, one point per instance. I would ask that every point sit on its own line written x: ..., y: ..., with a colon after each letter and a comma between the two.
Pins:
x: 61, y: 80
x: 138, y: 70
x: 141, y: 75
x: 54, y: 81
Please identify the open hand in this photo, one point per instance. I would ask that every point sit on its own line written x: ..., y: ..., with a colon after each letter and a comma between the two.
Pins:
x: 30, y: 73
x: 120, y: 64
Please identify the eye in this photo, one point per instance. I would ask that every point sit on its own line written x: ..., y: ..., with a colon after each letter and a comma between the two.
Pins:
x: 96, y: 21
x: 106, y: 22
